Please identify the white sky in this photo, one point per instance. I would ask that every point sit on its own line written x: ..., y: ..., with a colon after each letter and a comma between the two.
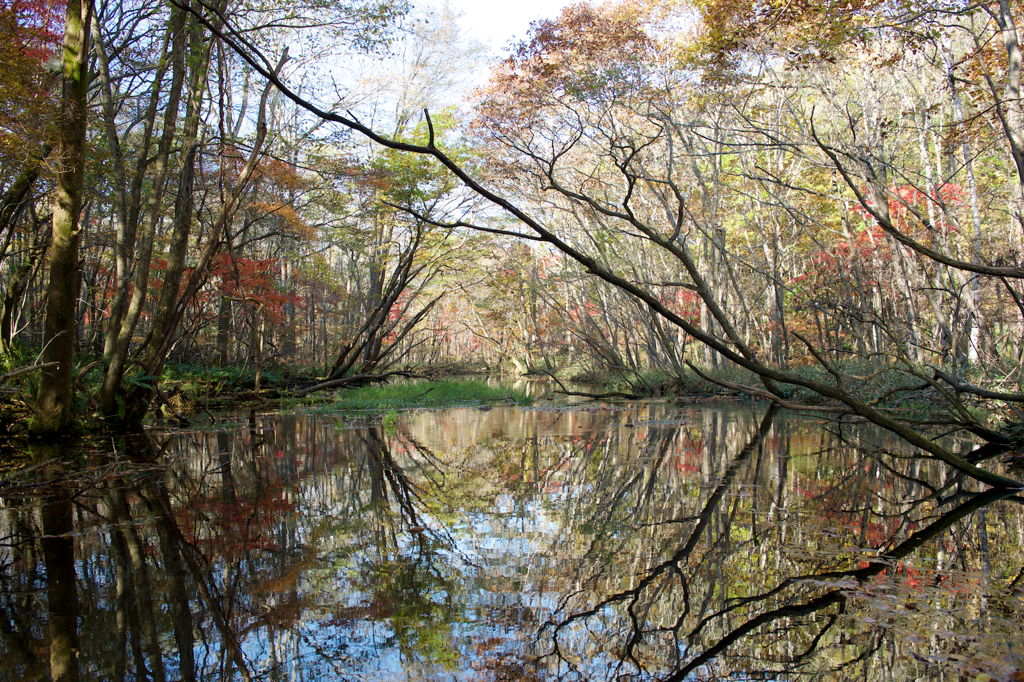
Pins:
x: 496, y: 22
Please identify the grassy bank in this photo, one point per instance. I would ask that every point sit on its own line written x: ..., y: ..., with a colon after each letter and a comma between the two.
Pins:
x: 191, y: 390
x: 431, y: 394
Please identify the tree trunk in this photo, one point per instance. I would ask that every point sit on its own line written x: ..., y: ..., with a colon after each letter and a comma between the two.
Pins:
x: 223, y: 331
x: 53, y: 402
x: 61, y: 591
x: 288, y: 333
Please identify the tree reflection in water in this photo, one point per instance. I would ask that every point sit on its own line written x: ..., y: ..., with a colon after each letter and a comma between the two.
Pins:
x: 597, y: 543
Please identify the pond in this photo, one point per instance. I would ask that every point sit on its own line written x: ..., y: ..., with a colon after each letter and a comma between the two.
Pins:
x: 586, y: 542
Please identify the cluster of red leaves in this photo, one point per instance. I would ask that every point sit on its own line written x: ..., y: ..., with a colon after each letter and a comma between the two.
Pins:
x: 871, y: 247
x: 32, y: 31
x: 903, y: 197
x: 589, y: 311
x: 685, y: 303
x: 252, y: 279
x: 395, y: 314
x: 35, y: 28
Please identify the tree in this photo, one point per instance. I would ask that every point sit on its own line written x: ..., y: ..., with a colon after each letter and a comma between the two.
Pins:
x: 53, y: 403
x: 158, y: 100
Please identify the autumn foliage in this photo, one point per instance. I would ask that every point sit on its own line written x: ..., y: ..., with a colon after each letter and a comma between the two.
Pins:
x: 32, y: 31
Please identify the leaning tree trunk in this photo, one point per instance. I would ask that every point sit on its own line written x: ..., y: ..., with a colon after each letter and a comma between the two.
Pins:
x: 53, y: 402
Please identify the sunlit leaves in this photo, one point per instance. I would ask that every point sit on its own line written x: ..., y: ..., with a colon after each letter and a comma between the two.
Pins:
x: 737, y: 37
x: 585, y: 54
x: 413, y: 180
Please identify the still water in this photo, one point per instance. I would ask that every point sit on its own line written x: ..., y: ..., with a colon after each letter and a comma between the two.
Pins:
x: 593, y: 542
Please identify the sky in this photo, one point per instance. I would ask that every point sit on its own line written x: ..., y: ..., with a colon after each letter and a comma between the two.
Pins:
x: 496, y: 22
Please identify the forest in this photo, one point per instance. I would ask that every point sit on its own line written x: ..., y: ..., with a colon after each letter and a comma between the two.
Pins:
x: 817, y: 204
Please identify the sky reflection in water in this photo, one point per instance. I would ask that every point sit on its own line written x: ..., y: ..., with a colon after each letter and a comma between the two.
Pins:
x: 597, y: 542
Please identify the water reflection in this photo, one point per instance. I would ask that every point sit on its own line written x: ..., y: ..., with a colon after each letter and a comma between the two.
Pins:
x: 598, y: 542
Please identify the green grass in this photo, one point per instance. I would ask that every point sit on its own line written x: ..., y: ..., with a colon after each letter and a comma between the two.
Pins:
x: 422, y: 395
